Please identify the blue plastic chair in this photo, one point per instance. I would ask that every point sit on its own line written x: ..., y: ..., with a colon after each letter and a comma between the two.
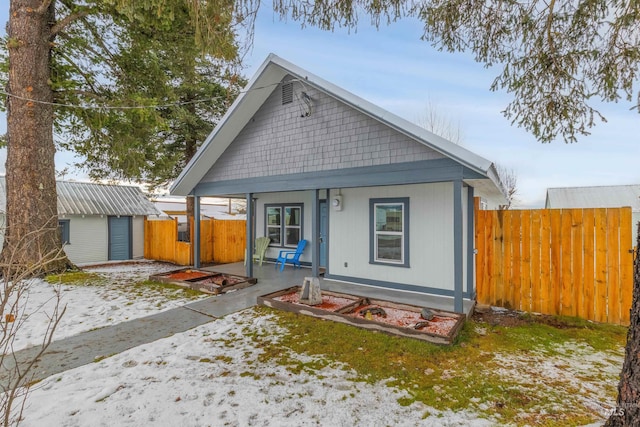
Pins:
x: 292, y: 257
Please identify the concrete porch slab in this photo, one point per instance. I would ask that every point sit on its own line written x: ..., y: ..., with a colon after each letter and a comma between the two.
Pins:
x: 271, y: 279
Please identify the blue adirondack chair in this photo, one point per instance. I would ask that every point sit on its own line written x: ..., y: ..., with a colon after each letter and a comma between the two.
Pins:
x: 291, y: 257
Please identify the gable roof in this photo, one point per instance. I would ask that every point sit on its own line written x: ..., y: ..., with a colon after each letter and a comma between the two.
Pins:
x: 267, y: 79
x: 611, y: 196
x: 83, y: 198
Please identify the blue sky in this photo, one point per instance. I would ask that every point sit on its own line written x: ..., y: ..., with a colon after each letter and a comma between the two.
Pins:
x: 394, y: 69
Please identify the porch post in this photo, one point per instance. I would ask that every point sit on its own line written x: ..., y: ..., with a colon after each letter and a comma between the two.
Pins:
x: 315, y: 230
x: 471, y: 244
x: 196, y: 232
x: 457, y: 247
x: 249, y: 239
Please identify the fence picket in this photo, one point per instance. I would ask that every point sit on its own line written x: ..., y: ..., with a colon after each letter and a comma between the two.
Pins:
x: 566, y: 275
x: 600, y: 294
x: 576, y: 261
x: 626, y: 266
x: 588, y: 265
x: 556, y: 261
x: 546, y: 291
x: 613, y: 265
x: 525, y: 280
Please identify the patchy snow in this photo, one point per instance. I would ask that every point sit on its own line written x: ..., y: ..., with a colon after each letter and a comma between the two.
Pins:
x: 95, y: 305
x: 212, y: 375
x: 574, y: 362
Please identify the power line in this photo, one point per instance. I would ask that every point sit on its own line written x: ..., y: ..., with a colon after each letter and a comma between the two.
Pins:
x: 134, y: 107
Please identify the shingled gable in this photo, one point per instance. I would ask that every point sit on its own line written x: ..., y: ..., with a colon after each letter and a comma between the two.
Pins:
x: 264, y: 85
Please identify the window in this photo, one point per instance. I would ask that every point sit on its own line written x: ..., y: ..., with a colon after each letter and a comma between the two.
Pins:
x: 63, y: 228
x: 283, y: 224
x: 389, y: 231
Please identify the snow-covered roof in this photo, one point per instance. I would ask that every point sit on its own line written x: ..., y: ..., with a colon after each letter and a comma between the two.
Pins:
x: 84, y: 198
x: 595, y: 197
x: 266, y: 80
x: 209, y: 207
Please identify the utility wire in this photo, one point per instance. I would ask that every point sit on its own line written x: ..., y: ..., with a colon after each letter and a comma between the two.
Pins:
x: 135, y: 107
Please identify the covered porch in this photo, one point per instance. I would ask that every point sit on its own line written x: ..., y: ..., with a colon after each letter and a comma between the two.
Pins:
x: 271, y: 279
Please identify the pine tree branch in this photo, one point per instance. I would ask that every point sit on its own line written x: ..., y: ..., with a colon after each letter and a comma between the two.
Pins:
x: 68, y: 20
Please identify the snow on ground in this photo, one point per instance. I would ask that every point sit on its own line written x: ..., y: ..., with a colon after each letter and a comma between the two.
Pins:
x: 210, y: 376
x: 94, y: 305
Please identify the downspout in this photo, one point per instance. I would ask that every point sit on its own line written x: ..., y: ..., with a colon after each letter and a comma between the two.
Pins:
x: 315, y: 227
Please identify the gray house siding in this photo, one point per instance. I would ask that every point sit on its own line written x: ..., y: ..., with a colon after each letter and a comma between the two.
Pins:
x: 325, y: 141
x: 278, y: 141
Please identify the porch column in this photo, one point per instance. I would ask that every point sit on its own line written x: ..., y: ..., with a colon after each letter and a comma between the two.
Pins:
x: 315, y: 233
x: 471, y: 244
x: 250, y: 238
x: 196, y: 232
x: 457, y: 247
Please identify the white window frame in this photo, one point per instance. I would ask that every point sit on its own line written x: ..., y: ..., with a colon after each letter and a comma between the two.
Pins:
x: 374, y: 258
x: 283, y: 226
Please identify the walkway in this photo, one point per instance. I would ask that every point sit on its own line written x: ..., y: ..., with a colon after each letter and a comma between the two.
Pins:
x: 85, y: 348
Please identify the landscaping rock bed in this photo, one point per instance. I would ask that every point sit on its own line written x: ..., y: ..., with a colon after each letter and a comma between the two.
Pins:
x: 210, y: 282
x: 384, y: 316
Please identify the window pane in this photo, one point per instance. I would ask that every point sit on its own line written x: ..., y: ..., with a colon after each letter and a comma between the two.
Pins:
x: 389, y: 248
x: 274, y: 234
x: 389, y: 218
x: 293, y: 236
x: 63, y: 228
x: 292, y: 216
x: 273, y: 216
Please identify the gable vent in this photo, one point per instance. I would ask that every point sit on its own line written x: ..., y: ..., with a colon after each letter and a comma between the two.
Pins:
x: 287, y: 93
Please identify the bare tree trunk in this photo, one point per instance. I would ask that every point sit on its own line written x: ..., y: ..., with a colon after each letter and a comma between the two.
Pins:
x: 30, y: 168
x: 627, y: 411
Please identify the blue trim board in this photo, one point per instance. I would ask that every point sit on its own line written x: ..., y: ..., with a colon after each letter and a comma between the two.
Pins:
x: 395, y: 286
x: 458, y: 284
x: 470, y: 242
x: 439, y: 170
x: 249, y: 234
x: 315, y: 233
x: 196, y: 232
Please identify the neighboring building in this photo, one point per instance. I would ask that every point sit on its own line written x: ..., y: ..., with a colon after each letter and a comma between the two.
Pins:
x: 606, y: 196
x: 210, y: 207
x: 382, y: 201
x: 98, y: 222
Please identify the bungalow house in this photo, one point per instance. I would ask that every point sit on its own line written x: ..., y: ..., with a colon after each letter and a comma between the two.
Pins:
x: 604, y: 196
x: 97, y: 222
x: 381, y: 201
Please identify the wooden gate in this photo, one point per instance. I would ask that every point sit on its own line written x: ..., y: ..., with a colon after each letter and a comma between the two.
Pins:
x: 572, y: 262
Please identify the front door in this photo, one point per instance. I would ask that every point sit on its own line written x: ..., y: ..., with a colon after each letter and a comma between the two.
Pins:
x: 324, y: 228
x: 120, y: 246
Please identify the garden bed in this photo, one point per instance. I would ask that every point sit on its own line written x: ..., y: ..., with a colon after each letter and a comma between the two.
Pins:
x: 378, y: 315
x: 210, y: 282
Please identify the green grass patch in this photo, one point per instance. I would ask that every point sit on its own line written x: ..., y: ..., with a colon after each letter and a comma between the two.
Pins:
x: 75, y: 277
x: 463, y: 376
